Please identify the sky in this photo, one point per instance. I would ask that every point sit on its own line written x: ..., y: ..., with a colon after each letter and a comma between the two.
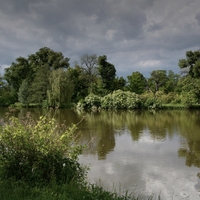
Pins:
x: 135, y: 35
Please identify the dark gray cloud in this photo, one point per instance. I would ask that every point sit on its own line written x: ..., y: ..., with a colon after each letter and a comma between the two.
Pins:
x: 198, y: 18
x: 140, y: 35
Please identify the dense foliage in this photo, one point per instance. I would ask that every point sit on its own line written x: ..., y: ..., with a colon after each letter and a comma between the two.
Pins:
x: 46, y: 79
x: 137, y: 83
x: 39, y: 152
x: 191, y: 64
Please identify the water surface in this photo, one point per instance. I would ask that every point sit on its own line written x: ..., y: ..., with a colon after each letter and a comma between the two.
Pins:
x: 143, y: 151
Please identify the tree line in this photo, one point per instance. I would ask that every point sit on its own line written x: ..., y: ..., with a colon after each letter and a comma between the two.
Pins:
x: 47, y: 79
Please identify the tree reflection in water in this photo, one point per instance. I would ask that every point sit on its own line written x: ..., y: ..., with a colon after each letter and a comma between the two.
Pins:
x: 135, y: 145
x: 102, y: 128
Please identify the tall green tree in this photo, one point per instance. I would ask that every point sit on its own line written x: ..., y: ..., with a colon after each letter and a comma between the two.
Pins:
x: 158, y: 79
x: 17, y: 72
x: 107, y: 73
x: 119, y: 83
x: 191, y: 63
x: 46, y: 56
x: 33, y: 69
x: 6, y: 95
x: 171, y: 82
x: 136, y: 83
x: 80, y: 82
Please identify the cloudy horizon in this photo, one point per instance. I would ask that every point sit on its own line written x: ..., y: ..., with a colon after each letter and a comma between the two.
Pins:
x: 135, y: 35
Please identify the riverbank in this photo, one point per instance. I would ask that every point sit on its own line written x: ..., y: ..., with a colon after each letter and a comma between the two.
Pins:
x: 180, y: 106
x: 20, y: 190
x: 74, y: 106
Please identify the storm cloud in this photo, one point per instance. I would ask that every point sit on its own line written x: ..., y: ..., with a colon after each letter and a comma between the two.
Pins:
x: 136, y: 35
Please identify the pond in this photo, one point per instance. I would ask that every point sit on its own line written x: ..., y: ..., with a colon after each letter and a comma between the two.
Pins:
x: 140, y: 151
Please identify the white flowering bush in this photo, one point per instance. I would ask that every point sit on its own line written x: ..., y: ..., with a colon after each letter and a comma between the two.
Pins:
x: 107, y: 102
x: 116, y: 100
x: 121, y: 100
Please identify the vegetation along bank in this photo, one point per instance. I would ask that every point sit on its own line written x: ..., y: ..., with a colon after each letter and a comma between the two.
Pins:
x: 46, y: 79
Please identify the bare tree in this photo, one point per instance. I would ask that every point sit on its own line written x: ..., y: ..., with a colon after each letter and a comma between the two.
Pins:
x: 89, y: 65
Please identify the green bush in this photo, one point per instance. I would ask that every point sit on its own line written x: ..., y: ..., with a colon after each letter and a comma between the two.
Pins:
x: 168, y: 98
x: 151, y: 101
x: 189, y: 99
x: 39, y: 151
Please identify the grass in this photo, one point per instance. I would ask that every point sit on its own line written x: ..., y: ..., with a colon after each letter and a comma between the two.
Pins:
x: 39, y: 105
x: 173, y: 106
x: 180, y: 106
x: 20, y: 190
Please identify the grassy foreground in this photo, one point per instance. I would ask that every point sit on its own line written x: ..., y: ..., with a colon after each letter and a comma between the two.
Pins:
x: 21, y: 191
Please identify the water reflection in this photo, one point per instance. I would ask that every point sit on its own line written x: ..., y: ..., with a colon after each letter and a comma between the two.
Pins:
x: 145, y: 155
x: 140, y: 150
x: 102, y: 128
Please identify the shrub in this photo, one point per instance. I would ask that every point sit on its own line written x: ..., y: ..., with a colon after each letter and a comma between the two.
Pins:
x: 107, y: 101
x: 189, y: 99
x: 150, y: 101
x: 39, y: 151
x: 81, y: 104
x: 168, y: 98
x: 90, y: 101
x: 121, y: 100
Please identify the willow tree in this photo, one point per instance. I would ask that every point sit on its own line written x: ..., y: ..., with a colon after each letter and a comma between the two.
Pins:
x: 61, y: 88
x: 39, y: 86
x: 23, y: 92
